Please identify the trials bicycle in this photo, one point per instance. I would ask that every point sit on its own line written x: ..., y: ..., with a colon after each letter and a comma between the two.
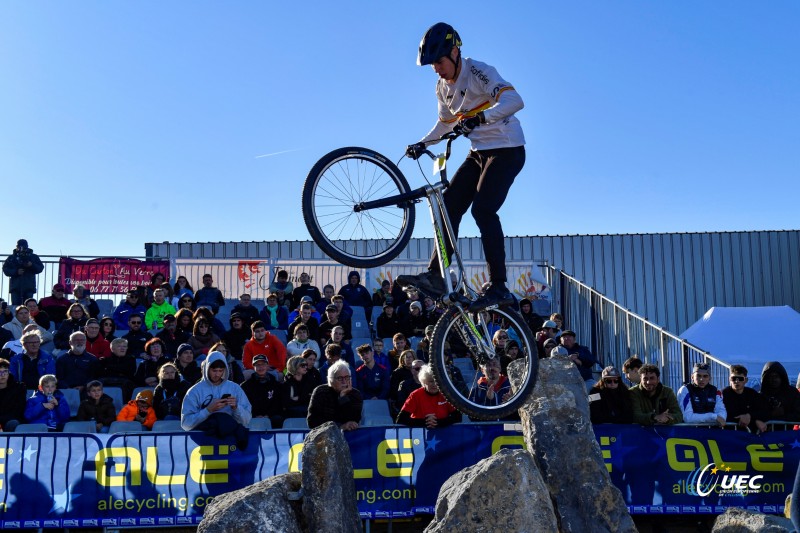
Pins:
x: 360, y: 211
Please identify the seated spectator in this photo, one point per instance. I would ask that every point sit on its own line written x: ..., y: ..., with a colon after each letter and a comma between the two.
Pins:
x: 552, y: 344
x: 327, y: 299
x: 171, y: 337
x: 235, y: 373
x: 355, y: 294
x: 313, y: 372
x: 38, y: 316
x: 265, y: 392
x: 187, y: 366
x: 47, y: 405
x: 136, y: 337
x: 168, y: 394
x: 108, y: 329
x: 236, y: 337
x: 154, y: 318
x: 184, y: 322
x: 156, y: 281
x: 119, y: 369
x: 96, y: 344
x: 559, y: 320
x: 12, y: 398
x: 140, y: 409
x: 337, y: 401
x: 129, y: 307
x: 185, y: 302
x: 305, y: 289
x: 246, y: 310
x: 412, y: 295
x: 745, y: 406
x: 700, y: 401
x: 380, y: 356
x: 55, y: 305
x: 510, y: 353
x: 654, y: 403
x: 456, y: 377
x: 22, y: 318
x: 282, y: 288
x: 414, y: 321
x: 631, y: 368
x: 300, y: 343
x: 430, y: 312
x: 209, y: 295
x: 77, y: 367
x: 181, y: 289
x: 492, y: 388
x: 217, y: 406
x: 382, y: 295
x: 388, y: 323
x: 147, y: 370
x: 267, y: 344
x: 345, y: 311
x: 401, y: 373
x: 333, y: 354
x: 14, y: 346
x: 338, y: 337
x: 202, y: 337
x: 399, y: 345
x: 547, y: 331
x: 205, y: 312
x: 97, y: 407
x: 307, y: 317
x: 76, y: 320
x: 533, y: 320
x: 372, y: 379
x: 783, y: 400
x: 427, y: 407
x: 580, y: 356
x: 408, y: 386
x: 32, y: 362
x: 610, y: 399
x: 80, y: 295
x: 274, y: 315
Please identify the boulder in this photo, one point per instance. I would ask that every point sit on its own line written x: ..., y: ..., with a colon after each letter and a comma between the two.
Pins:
x: 504, y: 492
x: 329, y: 491
x: 736, y: 520
x: 263, y: 506
x: 558, y: 431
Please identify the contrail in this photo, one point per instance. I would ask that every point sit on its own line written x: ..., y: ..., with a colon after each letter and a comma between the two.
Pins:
x: 277, y: 153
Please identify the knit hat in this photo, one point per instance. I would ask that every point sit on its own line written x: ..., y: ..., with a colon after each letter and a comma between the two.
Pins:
x: 418, y: 305
x: 183, y: 347
x: 145, y: 396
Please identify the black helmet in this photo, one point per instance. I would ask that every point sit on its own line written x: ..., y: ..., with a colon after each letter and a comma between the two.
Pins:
x: 437, y: 42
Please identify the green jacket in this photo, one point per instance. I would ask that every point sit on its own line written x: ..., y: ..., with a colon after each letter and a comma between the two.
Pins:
x: 156, y: 314
x: 644, y: 406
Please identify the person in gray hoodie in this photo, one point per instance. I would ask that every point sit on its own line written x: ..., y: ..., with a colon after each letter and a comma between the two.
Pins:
x: 215, y: 405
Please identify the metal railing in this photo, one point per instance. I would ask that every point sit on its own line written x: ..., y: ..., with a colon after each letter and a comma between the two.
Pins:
x: 614, y: 333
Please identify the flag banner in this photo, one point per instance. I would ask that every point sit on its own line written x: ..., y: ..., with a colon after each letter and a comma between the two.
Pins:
x: 109, y: 275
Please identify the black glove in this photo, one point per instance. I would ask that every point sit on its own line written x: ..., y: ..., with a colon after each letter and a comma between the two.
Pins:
x: 466, y: 125
x: 414, y: 151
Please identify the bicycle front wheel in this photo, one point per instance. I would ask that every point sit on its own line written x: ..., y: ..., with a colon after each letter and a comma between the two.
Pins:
x: 466, y: 338
x: 338, y: 182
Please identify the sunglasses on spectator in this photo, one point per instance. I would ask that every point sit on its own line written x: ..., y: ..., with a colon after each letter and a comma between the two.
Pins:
x: 736, y: 379
x: 502, y: 336
x: 136, y: 323
x: 303, y: 365
x: 612, y: 380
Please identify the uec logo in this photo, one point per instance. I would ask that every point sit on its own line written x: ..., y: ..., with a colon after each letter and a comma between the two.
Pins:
x: 702, y: 482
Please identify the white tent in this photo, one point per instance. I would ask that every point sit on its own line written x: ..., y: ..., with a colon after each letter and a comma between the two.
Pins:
x: 750, y: 336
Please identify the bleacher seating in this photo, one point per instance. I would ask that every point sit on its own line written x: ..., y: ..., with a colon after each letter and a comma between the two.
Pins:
x: 295, y: 423
x: 105, y: 306
x: 73, y: 397
x: 260, y: 424
x: 80, y: 426
x: 281, y: 334
x: 116, y: 395
x: 359, y: 325
x: 378, y: 421
x: 167, y: 425
x: 31, y: 428
x: 120, y: 426
x: 137, y: 390
x: 373, y: 408
x: 464, y: 364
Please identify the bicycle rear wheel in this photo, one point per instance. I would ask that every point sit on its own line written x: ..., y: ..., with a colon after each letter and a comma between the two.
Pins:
x: 468, y: 337
x: 339, y: 181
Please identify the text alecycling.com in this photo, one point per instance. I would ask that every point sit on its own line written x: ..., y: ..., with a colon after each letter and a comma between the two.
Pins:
x: 371, y: 496
x: 163, y: 501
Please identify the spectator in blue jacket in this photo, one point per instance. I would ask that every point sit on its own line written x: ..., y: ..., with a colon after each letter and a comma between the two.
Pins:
x: 355, y: 294
x: 274, y: 315
x: 372, y: 379
x: 130, y: 306
x: 209, y: 295
x: 47, y: 405
x: 32, y: 362
x: 580, y: 356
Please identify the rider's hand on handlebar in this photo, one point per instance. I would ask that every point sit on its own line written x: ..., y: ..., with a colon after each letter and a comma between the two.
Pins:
x: 468, y: 124
x: 414, y: 151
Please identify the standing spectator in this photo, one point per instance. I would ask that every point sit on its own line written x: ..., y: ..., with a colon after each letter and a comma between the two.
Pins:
x: 700, y: 401
x: 202, y: 338
x: 236, y: 337
x: 427, y: 407
x: 77, y: 367
x: 55, y: 305
x: 137, y: 336
x: 745, y: 406
x: 32, y: 363
x: 305, y: 316
x: 209, y: 295
x: 337, y: 401
x: 21, y: 267
x: 158, y: 310
x: 300, y: 343
x: 38, y: 316
x: 118, y: 370
x: 81, y: 295
x: 108, y: 329
x: 610, y: 400
x: 171, y: 336
x: 533, y: 320
x: 265, y: 392
x: 631, y: 368
x: 96, y: 344
x: 246, y: 310
x: 147, y: 371
x: 282, y: 288
x: 181, y: 289
x: 12, y: 398
x: 274, y: 315
x: 140, y: 409
x: 76, y: 319
x: 267, y: 344
x: 97, y: 407
x: 783, y: 400
x: 187, y: 366
x: 493, y: 388
x: 168, y: 394
x: 654, y: 403
x: 372, y: 379
x: 47, y: 405
x: 580, y: 357
x: 22, y: 318
x: 305, y: 289
x: 129, y: 307
x: 217, y: 406
x: 355, y: 294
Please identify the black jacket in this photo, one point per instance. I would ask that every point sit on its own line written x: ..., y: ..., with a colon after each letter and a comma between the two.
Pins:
x: 12, y: 401
x: 783, y: 401
x: 327, y: 406
x: 265, y: 395
x: 613, y: 407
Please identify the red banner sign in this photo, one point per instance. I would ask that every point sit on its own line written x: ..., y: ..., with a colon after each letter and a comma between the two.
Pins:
x: 109, y: 275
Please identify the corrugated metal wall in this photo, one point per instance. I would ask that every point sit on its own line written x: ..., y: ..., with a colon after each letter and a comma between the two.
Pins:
x: 669, y: 278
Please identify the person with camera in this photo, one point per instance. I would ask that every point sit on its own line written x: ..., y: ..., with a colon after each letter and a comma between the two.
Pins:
x: 654, y: 403
x: 21, y: 267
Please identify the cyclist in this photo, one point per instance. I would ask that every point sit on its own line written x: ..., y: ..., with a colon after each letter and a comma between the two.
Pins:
x: 473, y: 96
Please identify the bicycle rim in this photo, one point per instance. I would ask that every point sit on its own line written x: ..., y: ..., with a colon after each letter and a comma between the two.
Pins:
x: 468, y: 338
x: 338, y: 182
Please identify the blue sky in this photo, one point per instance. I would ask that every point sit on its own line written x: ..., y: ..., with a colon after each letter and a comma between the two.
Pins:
x: 130, y: 122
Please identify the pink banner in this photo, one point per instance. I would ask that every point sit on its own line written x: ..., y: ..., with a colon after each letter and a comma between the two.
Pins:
x: 109, y: 275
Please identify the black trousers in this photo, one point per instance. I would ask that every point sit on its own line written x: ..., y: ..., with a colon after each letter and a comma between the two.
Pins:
x: 483, y: 181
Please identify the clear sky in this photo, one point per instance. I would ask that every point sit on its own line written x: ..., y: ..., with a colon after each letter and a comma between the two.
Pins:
x: 130, y: 122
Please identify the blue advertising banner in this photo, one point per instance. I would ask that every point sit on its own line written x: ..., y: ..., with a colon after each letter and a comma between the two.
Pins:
x: 79, y: 480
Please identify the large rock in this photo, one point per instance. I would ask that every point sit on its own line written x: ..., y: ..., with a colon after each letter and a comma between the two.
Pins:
x: 736, y: 520
x: 263, y: 506
x: 558, y: 431
x: 329, y: 491
x: 504, y: 492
